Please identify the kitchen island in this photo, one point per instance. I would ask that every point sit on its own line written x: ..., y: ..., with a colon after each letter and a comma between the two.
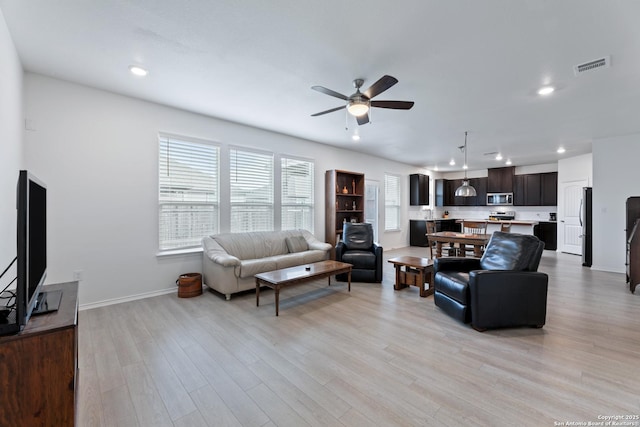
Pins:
x: 517, y: 226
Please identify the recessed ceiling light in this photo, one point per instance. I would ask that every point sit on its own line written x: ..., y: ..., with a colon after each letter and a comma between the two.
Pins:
x: 546, y: 90
x: 508, y: 162
x: 138, y: 71
x: 499, y: 156
x: 355, y: 137
x: 561, y: 150
x: 435, y: 168
x: 452, y: 162
x: 465, y: 167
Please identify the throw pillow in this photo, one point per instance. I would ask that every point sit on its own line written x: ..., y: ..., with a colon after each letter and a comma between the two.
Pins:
x: 296, y: 244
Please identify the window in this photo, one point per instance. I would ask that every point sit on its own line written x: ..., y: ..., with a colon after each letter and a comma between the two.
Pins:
x: 189, y: 192
x: 297, y: 194
x: 391, y: 202
x: 251, y: 183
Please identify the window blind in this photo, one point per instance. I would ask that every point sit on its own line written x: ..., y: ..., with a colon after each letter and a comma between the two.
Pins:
x: 188, y: 192
x: 391, y: 202
x: 251, y: 184
x: 297, y: 194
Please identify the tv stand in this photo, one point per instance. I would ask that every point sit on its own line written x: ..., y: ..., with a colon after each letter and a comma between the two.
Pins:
x: 39, y: 369
x: 48, y: 301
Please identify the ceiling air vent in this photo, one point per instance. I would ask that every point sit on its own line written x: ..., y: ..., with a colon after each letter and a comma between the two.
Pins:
x: 604, y: 62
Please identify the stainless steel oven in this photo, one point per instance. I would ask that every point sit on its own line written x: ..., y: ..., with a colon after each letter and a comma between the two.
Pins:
x: 499, y: 199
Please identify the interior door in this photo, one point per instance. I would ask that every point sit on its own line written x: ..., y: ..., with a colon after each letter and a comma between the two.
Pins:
x: 371, y: 189
x: 570, y: 223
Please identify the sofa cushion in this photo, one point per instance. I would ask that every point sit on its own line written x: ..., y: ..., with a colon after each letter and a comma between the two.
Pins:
x: 296, y: 244
x: 251, y: 267
x: 259, y: 244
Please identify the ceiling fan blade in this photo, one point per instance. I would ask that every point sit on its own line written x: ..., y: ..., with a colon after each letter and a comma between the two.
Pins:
x: 396, y: 105
x: 363, y: 119
x: 328, y: 111
x: 380, y: 86
x: 329, y: 92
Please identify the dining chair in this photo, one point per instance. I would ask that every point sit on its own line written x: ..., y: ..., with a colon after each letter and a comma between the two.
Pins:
x: 505, y: 227
x: 431, y: 228
x: 473, y: 227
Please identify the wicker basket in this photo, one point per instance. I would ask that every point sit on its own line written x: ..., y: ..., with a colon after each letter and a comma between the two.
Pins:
x: 189, y: 285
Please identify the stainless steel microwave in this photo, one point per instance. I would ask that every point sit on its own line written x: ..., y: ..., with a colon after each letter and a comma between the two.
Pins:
x: 499, y: 199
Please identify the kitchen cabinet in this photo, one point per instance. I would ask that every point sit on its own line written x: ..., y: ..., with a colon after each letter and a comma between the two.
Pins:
x: 418, y: 189
x: 549, y: 188
x: 480, y: 184
x: 446, y: 188
x: 418, y: 229
x: 532, y: 189
x: 500, y: 180
x: 536, y: 189
x: 547, y: 231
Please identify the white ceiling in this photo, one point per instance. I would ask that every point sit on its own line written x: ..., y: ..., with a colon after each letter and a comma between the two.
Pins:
x: 469, y: 65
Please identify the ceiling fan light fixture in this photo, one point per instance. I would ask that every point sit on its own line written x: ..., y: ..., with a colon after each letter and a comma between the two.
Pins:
x: 357, y: 107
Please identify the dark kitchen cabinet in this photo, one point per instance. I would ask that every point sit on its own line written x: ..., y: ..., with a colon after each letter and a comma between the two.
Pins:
x: 418, y: 232
x: 500, y: 180
x: 548, y: 233
x: 549, y: 188
x: 480, y: 184
x: 532, y: 189
x: 449, y: 191
x: 418, y: 189
x: 536, y: 189
x: 418, y: 229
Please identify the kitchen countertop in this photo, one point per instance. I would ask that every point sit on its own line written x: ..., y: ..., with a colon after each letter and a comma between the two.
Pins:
x: 497, y: 221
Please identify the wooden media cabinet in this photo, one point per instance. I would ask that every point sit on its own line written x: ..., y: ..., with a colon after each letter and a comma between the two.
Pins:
x: 39, y: 366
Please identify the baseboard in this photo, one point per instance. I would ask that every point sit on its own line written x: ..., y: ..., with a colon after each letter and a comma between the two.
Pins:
x: 127, y: 298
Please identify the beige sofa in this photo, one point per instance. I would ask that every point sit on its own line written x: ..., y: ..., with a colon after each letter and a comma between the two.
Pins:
x: 230, y: 260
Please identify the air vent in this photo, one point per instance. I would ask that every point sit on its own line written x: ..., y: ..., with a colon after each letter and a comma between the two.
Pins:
x: 604, y: 62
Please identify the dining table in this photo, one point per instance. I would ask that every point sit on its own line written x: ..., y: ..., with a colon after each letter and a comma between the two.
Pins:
x: 478, y: 241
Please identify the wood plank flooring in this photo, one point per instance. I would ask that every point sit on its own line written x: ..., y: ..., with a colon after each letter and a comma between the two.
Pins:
x: 374, y: 356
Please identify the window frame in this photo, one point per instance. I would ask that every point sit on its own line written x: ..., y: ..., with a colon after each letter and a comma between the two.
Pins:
x: 164, y: 245
x: 311, y: 197
x: 396, y: 205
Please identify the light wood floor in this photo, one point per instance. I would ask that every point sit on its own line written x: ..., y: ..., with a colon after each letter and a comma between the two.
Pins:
x: 374, y: 356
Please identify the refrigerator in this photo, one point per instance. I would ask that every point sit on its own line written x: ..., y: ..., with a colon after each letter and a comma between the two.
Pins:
x: 586, y: 223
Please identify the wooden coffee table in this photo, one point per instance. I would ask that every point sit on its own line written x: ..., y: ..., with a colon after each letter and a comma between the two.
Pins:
x: 415, y: 273
x: 295, y: 275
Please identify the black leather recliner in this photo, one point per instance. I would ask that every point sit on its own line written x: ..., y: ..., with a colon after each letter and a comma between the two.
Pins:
x: 501, y: 289
x: 357, y: 248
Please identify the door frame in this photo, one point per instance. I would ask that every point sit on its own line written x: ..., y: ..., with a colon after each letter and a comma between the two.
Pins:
x: 562, y: 215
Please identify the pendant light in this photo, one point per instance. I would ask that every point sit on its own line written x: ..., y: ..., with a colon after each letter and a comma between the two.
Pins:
x: 465, y: 190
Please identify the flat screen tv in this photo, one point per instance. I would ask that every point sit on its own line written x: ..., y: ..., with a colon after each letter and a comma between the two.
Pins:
x: 32, y: 249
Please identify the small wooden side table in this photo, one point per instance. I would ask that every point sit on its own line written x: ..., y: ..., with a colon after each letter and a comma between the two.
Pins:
x: 416, y: 272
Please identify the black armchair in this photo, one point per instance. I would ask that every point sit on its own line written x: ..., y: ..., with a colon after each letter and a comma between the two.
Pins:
x: 501, y: 289
x: 357, y: 248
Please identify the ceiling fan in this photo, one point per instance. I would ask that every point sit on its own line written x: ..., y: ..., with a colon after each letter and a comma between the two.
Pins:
x: 359, y: 103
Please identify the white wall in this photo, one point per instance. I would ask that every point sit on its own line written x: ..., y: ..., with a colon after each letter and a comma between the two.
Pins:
x: 11, y: 125
x: 615, y: 178
x: 98, y: 153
